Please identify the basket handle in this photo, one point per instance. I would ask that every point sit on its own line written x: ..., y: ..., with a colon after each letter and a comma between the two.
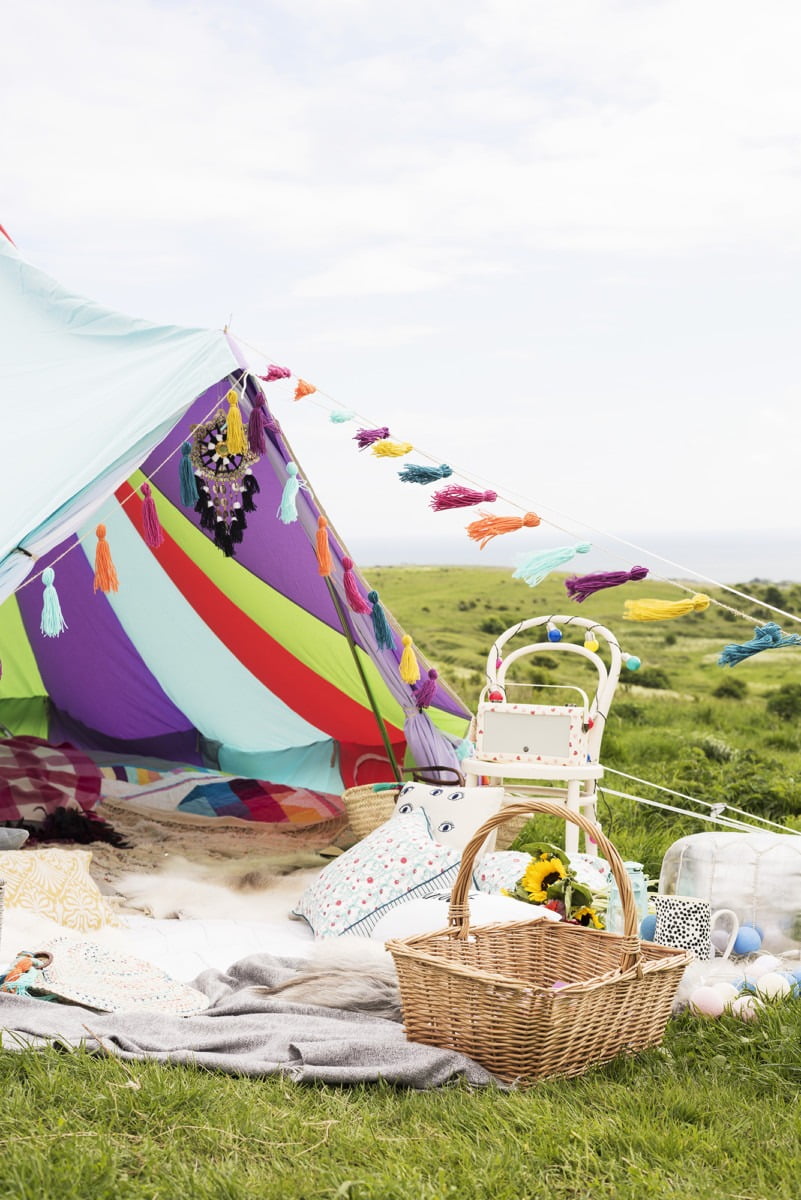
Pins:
x: 459, y: 909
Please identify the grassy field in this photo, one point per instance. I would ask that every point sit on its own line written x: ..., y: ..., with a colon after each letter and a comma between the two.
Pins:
x: 712, y: 1114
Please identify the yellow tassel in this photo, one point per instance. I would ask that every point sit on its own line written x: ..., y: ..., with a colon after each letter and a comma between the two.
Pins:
x: 324, y: 564
x: 234, y: 430
x: 105, y: 574
x: 385, y: 449
x: 409, y: 670
x: 664, y: 610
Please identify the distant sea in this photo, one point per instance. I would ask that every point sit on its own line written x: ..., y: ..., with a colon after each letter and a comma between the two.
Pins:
x: 773, y: 555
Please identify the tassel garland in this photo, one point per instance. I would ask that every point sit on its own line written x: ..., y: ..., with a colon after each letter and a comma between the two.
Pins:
x: 488, y: 526
x: 579, y: 587
x: 274, y: 372
x: 381, y: 626
x: 766, y: 637
x: 105, y: 573
x: 414, y: 473
x: 664, y: 610
x: 365, y: 437
x: 151, y: 526
x: 355, y: 599
x: 534, y: 568
x: 256, y: 425
x: 340, y: 417
x: 288, y: 508
x: 53, y: 622
x: 384, y: 449
x: 425, y: 690
x: 323, y: 550
x: 304, y: 389
x: 234, y: 429
x: 187, y: 478
x: 408, y: 666
x: 456, y: 496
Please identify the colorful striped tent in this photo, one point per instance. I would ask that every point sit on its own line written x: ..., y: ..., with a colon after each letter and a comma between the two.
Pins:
x: 254, y: 663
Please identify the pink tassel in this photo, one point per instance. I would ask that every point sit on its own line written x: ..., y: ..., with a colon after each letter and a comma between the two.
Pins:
x: 366, y: 437
x: 355, y: 599
x: 455, y: 496
x: 151, y: 526
x: 274, y: 372
x: 424, y: 692
x: 579, y: 587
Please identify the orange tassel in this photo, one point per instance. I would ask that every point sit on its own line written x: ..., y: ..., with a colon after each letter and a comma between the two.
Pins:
x: 323, y: 549
x: 304, y: 389
x: 105, y: 574
x: 488, y: 527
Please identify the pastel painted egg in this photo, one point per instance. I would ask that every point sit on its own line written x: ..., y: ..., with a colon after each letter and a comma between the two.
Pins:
x: 797, y: 974
x: 557, y: 985
x: 772, y: 986
x: 762, y: 966
x: 748, y: 940
x: 719, y: 939
x: 727, y: 991
x: 648, y: 929
x: 745, y: 1007
x: 707, y: 1002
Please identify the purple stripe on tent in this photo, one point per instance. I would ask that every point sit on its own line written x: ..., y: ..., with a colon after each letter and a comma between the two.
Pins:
x: 117, y: 695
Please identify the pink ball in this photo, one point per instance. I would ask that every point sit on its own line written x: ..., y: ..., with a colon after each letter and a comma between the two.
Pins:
x: 707, y: 1002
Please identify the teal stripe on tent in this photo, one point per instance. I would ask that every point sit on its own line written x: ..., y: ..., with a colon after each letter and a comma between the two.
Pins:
x: 303, y: 766
x: 219, y: 696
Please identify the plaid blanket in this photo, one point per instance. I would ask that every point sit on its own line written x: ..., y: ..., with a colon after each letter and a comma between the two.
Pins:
x: 37, y: 778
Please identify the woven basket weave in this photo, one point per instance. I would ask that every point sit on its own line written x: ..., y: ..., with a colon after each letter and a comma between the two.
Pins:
x: 2, y: 902
x: 488, y: 991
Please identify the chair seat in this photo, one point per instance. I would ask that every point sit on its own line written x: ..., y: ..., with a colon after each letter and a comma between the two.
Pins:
x: 529, y: 770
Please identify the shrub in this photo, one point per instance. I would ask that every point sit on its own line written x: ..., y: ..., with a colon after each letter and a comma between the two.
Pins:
x: 785, y: 702
x: 651, y: 677
x: 493, y: 625
x: 731, y: 688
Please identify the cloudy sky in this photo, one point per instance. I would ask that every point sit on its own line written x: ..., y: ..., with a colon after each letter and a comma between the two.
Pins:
x: 554, y: 243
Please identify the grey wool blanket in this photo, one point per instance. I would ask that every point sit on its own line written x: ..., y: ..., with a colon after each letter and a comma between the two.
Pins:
x: 244, y: 1032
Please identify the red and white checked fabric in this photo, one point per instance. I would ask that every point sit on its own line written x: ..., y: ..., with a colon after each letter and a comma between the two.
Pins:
x: 36, y: 778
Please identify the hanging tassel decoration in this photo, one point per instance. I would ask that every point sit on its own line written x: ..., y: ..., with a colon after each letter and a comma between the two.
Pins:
x: 205, y: 509
x: 53, y: 622
x: 425, y: 690
x: 355, y: 599
x: 288, y: 508
x: 234, y: 429
x: 237, y: 526
x: 766, y: 637
x: 248, y: 488
x: 408, y: 667
x: 187, y: 478
x: 105, y: 574
x: 465, y: 749
x: 256, y: 425
x: 456, y: 496
x: 302, y: 388
x: 151, y: 526
x: 384, y: 449
x: 274, y: 372
x: 487, y: 526
x: 340, y: 417
x: 366, y: 437
x: 532, y: 570
x: 664, y: 610
x: 381, y: 626
x: 323, y: 550
x: 222, y: 539
x: 579, y: 587
x: 414, y: 473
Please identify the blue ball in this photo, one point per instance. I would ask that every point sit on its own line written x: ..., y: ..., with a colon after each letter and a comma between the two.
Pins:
x: 554, y: 635
x: 648, y: 927
x: 797, y: 974
x: 748, y: 940
x: 633, y: 663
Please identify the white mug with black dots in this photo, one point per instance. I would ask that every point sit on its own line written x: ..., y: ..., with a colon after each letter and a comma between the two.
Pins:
x: 686, y: 922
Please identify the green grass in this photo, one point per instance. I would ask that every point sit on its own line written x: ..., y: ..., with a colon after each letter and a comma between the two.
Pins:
x: 713, y: 1114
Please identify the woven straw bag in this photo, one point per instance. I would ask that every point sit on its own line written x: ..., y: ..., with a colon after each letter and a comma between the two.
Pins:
x: 489, y: 992
x: 2, y: 902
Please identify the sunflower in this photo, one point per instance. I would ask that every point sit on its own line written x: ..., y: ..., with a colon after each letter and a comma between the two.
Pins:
x: 539, y: 876
x: 587, y: 916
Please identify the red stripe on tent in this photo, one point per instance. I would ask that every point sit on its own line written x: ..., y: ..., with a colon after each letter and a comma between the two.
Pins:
x: 314, y: 698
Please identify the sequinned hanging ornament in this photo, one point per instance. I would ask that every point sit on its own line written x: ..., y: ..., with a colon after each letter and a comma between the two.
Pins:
x: 226, y: 483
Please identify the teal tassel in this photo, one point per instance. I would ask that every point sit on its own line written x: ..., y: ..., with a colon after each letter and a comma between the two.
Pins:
x: 53, y: 622
x: 288, y: 509
x: 534, y: 568
x: 339, y: 416
x: 465, y: 749
x: 766, y: 637
x: 381, y: 627
x: 414, y: 473
x: 189, y: 492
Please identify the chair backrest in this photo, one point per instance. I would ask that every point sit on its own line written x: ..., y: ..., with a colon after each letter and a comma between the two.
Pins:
x: 567, y: 734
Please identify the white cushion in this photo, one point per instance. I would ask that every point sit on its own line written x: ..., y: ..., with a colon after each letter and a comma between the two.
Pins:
x: 454, y: 813
x: 431, y: 913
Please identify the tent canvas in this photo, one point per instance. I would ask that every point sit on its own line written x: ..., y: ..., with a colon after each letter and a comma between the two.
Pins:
x: 254, y: 663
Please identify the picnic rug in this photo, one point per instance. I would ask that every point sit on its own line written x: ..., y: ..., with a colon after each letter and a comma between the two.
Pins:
x: 244, y: 1032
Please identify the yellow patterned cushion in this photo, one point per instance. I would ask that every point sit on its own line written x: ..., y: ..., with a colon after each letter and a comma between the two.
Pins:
x: 55, y: 883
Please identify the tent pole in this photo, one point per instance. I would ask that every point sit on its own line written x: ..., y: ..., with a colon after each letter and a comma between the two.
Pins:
x: 354, y: 651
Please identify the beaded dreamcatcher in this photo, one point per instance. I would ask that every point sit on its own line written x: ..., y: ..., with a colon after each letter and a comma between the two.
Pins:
x: 222, y: 464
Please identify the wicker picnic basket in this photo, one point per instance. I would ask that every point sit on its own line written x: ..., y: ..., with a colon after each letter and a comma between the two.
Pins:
x: 489, y: 992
